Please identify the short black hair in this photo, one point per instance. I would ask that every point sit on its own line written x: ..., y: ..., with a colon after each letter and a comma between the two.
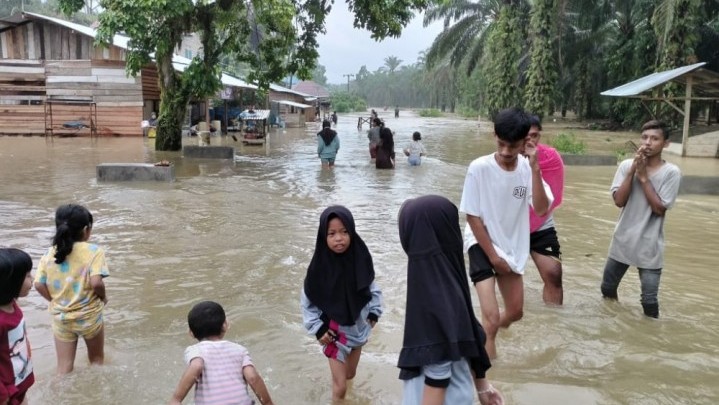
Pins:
x: 326, y: 124
x: 656, y: 124
x: 206, y: 320
x: 535, y: 121
x: 511, y: 124
x: 14, y: 266
x: 416, y: 136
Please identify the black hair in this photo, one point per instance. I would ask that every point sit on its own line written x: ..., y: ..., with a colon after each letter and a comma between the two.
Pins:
x: 378, y: 122
x: 14, y: 266
x: 416, y: 136
x: 206, y: 320
x: 385, y: 135
x: 511, y: 124
x: 535, y: 121
x: 71, y: 221
x: 656, y: 124
x: 326, y: 124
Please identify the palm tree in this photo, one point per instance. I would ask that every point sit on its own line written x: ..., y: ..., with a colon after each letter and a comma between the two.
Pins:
x: 467, y: 25
x: 392, y: 63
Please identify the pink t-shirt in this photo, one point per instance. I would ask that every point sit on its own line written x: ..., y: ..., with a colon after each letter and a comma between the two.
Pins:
x: 552, y: 167
x: 221, y: 382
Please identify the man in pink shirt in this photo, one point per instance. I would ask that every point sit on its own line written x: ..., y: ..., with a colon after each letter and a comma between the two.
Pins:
x: 543, y: 242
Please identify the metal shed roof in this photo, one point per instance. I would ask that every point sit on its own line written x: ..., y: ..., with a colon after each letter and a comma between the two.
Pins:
x: 291, y: 103
x: 705, y: 82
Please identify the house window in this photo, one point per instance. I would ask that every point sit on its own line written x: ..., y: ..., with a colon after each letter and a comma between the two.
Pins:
x: 188, y: 53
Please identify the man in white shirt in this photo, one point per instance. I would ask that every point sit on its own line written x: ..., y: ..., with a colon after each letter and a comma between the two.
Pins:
x: 498, y: 190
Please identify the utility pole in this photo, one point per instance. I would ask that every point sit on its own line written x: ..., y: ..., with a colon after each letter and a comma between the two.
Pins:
x: 348, y: 76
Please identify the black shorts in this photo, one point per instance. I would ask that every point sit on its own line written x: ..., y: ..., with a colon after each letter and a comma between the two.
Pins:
x: 480, y: 268
x: 545, y: 243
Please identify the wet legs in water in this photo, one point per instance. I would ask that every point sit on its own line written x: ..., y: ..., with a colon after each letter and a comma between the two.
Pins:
x: 649, y: 279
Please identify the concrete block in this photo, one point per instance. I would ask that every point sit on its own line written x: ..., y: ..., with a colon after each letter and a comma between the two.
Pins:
x: 699, y: 185
x: 209, y: 152
x: 134, y: 172
x: 589, y: 160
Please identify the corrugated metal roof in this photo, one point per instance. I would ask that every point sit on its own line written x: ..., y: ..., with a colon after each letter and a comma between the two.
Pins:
x: 180, y: 63
x: 291, y: 103
x: 639, y: 86
x: 255, y: 115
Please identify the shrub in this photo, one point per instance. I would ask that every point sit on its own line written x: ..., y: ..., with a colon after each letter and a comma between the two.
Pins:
x: 431, y: 112
x: 345, y: 102
x: 568, y: 143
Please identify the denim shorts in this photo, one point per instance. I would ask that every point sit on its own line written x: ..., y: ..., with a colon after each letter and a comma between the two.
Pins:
x: 328, y: 161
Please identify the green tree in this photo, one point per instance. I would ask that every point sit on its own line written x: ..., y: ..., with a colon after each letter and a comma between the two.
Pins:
x: 261, y: 34
x: 541, y: 74
x: 501, y: 61
x: 319, y: 75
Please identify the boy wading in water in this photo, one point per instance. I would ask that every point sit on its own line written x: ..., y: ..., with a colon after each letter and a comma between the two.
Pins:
x: 644, y: 187
x: 498, y: 190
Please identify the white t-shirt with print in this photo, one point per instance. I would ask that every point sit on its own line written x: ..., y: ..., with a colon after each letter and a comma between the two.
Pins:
x: 502, y: 199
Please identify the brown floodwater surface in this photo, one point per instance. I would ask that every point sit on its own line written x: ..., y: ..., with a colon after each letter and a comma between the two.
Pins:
x: 242, y: 233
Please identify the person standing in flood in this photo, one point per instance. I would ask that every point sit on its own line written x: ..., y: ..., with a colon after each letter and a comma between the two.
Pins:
x: 644, y: 187
x: 373, y: 136
x: 443, y: 359
x: 341, y: 303
x: 498, y: 191
x: 543, y: 241
x: 328, y: 144
x: 70, y: 276
x: 385, y: 150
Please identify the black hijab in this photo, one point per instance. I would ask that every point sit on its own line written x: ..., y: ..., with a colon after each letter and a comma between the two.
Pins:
x: 327, y: 133
x: 440, y: 324
x: 339, y: 284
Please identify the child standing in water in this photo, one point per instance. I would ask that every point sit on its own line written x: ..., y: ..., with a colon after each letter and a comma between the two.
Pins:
x: 16, y: 374
x: 340, y: 301
x: 443, y: 359
x: 70, y: 275
x: 415, y: 150
x: 218, y: 369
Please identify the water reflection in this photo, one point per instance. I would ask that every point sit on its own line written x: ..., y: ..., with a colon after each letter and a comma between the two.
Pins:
x: 242, y: 232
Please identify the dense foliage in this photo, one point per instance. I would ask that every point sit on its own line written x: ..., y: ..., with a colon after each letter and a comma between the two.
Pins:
x: 343, y: 102
x: 273, y: 38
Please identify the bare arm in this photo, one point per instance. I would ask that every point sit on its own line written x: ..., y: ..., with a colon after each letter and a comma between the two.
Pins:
x: 540, y: 202
x: 653, y: 199
x: 258, y: 385
x: 483, y: 240
x: 98, y: 287
x: 42, y: 289
x: 188, y: 380
x: 621, y: 195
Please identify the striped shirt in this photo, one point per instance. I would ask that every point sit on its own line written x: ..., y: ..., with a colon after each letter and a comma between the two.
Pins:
x: 221, y: 382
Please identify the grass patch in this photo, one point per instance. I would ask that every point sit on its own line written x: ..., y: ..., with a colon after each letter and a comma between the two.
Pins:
x: 430, y: 112
x: 568, y: 143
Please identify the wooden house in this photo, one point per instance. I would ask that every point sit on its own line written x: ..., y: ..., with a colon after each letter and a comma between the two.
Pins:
x: 294, y: 107
x: 54, y: 80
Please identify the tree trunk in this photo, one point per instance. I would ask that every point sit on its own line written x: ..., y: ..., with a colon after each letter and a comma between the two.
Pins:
x: 173, y: 102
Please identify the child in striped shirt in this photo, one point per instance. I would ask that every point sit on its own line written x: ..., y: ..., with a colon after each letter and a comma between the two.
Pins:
x: 219, y: 370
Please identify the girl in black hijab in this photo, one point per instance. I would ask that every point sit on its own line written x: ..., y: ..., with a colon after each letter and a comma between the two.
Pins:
x: 443, y: 360
x: 340, y: 301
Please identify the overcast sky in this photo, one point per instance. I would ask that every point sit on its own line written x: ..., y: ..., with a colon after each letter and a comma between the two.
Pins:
x: 344, y: 49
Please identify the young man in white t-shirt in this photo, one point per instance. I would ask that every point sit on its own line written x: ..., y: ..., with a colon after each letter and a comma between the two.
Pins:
x: 498, y: 190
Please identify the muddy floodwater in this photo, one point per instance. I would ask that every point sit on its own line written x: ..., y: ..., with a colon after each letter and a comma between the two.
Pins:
x: 242, y: 233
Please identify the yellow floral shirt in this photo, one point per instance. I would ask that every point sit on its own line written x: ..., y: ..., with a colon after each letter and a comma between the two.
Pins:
x: 69, y: 282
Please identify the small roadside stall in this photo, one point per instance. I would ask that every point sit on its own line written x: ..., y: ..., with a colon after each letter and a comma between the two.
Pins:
x: 254, y: 126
